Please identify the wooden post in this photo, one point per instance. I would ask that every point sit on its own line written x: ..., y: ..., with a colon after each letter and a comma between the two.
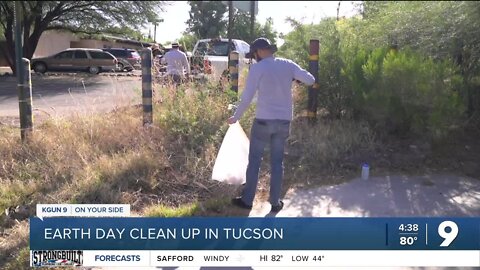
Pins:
x: 233, y: 70
x: 26, y: 100
x: 313, y: 90
x: 147, y: 86
x: 22, y: 71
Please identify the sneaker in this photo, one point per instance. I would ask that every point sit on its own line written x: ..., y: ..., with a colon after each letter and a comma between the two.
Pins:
x: 277, y: 208
x: 239, y: 202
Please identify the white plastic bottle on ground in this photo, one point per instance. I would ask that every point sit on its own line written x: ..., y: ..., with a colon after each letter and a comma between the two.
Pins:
x: 365, y: 171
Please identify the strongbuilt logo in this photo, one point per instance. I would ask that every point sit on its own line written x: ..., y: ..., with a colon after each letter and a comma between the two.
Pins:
x: 42, y: 258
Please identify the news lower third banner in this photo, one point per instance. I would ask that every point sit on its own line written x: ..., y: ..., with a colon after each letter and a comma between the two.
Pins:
x: 295, y: 242
x: 138, y: 233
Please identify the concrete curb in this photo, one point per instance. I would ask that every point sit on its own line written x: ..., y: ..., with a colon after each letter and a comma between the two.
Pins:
x: 48, y: 74
x: 87, y: 75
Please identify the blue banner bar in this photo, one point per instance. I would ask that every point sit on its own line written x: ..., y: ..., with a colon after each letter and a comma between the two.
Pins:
x: 134, y: 233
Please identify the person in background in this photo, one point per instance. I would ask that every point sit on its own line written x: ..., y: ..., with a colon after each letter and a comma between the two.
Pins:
x: 272, y: 77
x: 156, y: 50
x: 156, y: 56
x: 177, y: 64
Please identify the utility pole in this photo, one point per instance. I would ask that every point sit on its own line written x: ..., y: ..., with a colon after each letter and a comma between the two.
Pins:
x: 230, y: 25
x: 338, y: 10
x: 155, y: 22
x: 155, y: 32
x: 252, y: 19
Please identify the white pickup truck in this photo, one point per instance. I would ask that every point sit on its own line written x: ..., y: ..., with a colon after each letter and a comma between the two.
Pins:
x: 210, y: 56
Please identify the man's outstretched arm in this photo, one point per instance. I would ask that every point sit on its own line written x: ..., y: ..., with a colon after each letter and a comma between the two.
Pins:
x: 248, y: 93
x: 302, y: 75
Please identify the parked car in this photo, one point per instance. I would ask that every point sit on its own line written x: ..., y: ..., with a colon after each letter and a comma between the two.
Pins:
x: 128, y: 59
x: 210, y: 56
x: 78, y: 59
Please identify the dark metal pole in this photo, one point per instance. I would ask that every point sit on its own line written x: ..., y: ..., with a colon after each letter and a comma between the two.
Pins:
x: 230, y: 25
x: 147, y: 93
x: 313, y: 90
x: 252, y: 19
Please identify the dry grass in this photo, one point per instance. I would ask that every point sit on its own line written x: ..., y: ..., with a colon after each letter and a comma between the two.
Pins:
x: 327, y: 142
x: 14, y: 247
x: 163, y: 170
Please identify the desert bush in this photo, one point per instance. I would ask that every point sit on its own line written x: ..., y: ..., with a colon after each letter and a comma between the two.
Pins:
x: 407, y: 93
x: 429, y: 87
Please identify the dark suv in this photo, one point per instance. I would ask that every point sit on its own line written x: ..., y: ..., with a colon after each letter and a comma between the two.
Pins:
x: 128, y: 59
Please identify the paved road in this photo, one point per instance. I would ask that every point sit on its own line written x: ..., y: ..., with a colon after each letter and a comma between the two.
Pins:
x: 389, y: 196
x: 66, y: 94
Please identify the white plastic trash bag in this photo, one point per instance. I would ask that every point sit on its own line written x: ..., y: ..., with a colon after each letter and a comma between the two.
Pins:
x: 232, y: 158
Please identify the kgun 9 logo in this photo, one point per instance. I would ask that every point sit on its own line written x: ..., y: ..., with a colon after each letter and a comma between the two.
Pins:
x: 447, y: 235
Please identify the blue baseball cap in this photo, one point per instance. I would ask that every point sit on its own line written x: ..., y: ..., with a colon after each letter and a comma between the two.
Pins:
x: 260, y: 43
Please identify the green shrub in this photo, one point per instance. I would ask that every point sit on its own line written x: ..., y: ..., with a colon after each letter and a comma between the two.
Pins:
x: 335, y: 95
x: 407, y: 93
x: 426, y: 88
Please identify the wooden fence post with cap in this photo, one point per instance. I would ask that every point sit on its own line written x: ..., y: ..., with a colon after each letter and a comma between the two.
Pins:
x: 25, y: 98
x: 233, y: 70
x: 313, y: 90
x: 147, y: 93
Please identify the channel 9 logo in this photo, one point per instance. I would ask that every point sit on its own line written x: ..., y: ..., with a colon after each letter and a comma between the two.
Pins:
x: 45, y: 258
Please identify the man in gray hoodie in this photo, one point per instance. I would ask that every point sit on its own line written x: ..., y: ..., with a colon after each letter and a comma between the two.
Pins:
x: 272, y: 77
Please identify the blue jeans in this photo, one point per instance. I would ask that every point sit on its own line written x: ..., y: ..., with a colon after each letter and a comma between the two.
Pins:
x: 274, y: 133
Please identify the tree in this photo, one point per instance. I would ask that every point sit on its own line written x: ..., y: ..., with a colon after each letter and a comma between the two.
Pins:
x: 207, y: 19
x: 125, y: 32
x: 296, y: 42
x: 241, y: 28
x: 266, y: 30
x: 76, y: 16
x: 187, y: 41
x: 372, y: 8
x: 442, y: 30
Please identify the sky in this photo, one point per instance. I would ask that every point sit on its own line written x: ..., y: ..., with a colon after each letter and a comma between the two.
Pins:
x: 177, y: 13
